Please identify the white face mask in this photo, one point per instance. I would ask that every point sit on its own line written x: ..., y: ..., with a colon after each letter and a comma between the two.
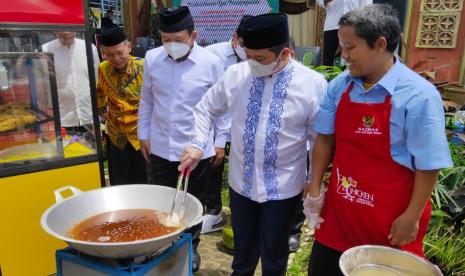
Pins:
x: 260, y: 70
x: 240, y: 52
x: 176, y: 50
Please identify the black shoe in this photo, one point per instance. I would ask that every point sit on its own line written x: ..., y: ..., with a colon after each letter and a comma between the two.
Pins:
x: 294, y: 242
x: 196, y: 259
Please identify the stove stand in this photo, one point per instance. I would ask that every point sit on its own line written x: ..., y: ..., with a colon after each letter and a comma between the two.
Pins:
x: 176, y: 260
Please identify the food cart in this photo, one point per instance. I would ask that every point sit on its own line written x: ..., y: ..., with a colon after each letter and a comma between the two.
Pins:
x: 37, y: 155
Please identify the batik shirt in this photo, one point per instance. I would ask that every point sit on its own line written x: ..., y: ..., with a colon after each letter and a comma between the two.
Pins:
x: 271, y: 122
x: 119, y: 93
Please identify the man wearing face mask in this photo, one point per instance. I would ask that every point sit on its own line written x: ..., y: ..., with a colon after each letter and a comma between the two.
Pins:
x: 176, y: 76
x: 230, y: 52
x: 273, y: 101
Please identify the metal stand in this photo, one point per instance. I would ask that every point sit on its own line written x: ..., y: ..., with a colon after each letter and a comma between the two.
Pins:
x: 175, y: 260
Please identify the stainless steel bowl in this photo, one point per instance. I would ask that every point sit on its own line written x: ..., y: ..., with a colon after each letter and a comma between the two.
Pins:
x: 66, y: 213
x: 391, y: 261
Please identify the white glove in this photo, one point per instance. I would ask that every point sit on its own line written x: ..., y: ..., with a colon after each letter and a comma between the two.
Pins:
x: 190, y: 157
x: 312, y: 208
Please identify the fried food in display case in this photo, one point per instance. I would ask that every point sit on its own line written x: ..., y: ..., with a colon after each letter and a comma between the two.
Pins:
x: 29, y: 113
x: 13, y: 117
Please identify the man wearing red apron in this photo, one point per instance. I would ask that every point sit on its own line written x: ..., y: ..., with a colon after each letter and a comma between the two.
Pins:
x: 385, y: 126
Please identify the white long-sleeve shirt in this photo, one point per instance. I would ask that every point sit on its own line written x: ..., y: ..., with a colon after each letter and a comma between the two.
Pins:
x: 225, y: 52
x: 72, y: 79
x: 271, y: 123
x: 170, y: 91
x: 228, y: 57
x: 336, y: 8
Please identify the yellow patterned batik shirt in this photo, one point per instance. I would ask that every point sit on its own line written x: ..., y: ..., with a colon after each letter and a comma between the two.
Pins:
x: 119, y: 94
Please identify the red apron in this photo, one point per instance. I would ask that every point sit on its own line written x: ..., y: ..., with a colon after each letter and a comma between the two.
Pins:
x: 368, y: 190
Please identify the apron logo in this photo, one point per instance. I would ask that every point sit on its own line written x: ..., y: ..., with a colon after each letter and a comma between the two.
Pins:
x: 347, y: 188
x: 368, y: 121
x: 367, y: 126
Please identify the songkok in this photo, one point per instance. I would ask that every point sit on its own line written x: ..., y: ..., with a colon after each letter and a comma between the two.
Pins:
x: 175, y: 19
x: 112, y: 36
x: 265, y: 31
x: 240, y: 28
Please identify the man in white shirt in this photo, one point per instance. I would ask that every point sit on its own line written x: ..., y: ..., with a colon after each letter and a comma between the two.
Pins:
x: 334, y: 10
x: 230, y: 52
x: 72, y: 77
x: 176, y: 76
x: 272, y: 101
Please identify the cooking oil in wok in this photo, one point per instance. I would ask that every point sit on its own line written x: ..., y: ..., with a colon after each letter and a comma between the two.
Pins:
x: 121, y: 226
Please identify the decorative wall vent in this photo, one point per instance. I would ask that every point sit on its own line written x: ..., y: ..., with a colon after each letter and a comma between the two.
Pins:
x: 439, y: 23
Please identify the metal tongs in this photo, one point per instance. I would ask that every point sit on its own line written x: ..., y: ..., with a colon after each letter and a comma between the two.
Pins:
x: 174, y: 219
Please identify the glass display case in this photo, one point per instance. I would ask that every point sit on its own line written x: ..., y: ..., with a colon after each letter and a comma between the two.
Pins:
x: 43, y: 100
x: 50, y: 132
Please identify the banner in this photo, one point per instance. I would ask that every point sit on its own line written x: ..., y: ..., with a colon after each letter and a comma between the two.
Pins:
x: 216, y: 20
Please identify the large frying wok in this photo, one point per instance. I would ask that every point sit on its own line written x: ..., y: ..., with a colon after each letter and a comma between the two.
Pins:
x: 62, y: 216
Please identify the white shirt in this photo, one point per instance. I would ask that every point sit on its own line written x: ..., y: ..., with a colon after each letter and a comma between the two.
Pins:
x: 336, y: 8
x: 73, y: 81
x: 170, y: 91
x: 225, y: 52
x: 271, y: 123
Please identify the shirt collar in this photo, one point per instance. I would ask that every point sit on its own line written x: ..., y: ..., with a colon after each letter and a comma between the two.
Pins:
x: 194, y: 54
x: 389, y: 80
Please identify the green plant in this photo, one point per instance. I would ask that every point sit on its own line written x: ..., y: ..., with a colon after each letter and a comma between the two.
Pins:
x: 439, y: 216
x: 445, y: 247
x: 225, y: 184
x: 451, y: 122
x: 329, y: 72
x: 449, y: 179
x: 457, y: 153
x: 299, y: 264
x: 307, y: 59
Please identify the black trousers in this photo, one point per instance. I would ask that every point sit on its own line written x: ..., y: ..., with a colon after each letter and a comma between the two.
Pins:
x: 261, y: 230
x: 125, y: 166
x: 324, y: 261
x: 165, y: 173
x: 331, y: 42
x: 298, y: 219
x: 213, y: 202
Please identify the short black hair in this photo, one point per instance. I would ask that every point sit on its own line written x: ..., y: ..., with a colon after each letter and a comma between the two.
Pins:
x: 374, y: 21
x: 278, y: 48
